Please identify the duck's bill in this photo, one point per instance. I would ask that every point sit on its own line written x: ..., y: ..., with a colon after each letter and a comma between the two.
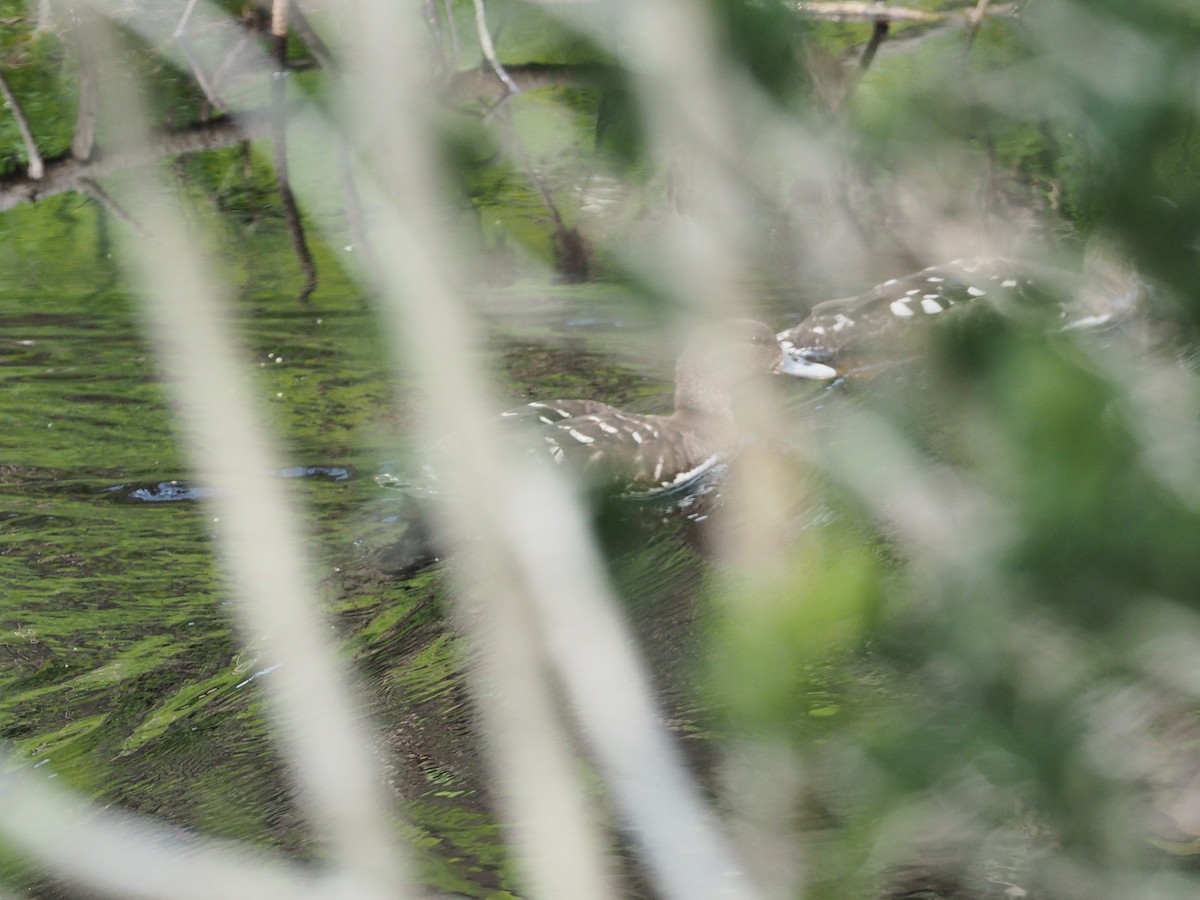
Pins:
x: 794, y: 363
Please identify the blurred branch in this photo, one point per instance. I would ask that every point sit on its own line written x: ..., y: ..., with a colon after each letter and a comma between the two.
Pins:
x: 180, y: 37
x: 83, y: 139
x: 96, y: 192
x: 570, y: 252
x: 36, y: 166
x: 452, y: 27
x: 64, y: 173
x: 320, y: 729
x: 489, y: 51
x: 202, y: 81
x: 117, y: 854
x: 291, y: 213
x: 974, y: 20
x: 183, y: 20
x: 312, y: 41
x: 222, y: 69
x: 433, y: 21
x: 879, y: 34
x: 475, y: 84
x: 872, y: 11
x: 45, y: 16
x: 559, y: 844
x: 356, y: 221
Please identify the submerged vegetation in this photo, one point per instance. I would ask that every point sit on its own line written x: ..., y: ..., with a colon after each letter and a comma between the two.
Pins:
x: 934, y: 633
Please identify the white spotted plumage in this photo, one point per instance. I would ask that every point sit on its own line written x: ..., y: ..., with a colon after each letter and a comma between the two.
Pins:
x: 840, y: 336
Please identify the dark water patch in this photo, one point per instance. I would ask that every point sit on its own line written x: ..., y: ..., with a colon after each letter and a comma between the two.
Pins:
x: 22, y: 476
x: 600, y: 323
x: 181, y: 491
x: 58, y: 323
x: 330, y: 473
x: 24, y: 354
x: 173, y: 491
x: 72, y: 373
x: 97, y: 398
x: 19, y: 519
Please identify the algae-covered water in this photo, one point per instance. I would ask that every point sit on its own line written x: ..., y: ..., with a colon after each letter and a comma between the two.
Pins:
x: 120, y: 671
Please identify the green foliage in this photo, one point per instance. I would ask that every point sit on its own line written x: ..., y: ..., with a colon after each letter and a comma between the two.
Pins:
x: 782, y: 630
x: 767, y: 40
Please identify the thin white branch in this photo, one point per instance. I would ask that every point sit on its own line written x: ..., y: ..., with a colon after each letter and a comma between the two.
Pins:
x: 96, y: 192
x: 185, y: 19
x: 871, y: 11
x: 36, y: 166
x: 322, y: 733
x: 489, y: 51
x: 134, y: 857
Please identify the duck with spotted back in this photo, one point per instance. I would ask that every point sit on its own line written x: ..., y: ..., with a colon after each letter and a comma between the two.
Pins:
x: 647, y: 455
x: 855, y: 336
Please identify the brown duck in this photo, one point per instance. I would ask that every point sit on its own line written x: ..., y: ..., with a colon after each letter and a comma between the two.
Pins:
x: 644, y: 455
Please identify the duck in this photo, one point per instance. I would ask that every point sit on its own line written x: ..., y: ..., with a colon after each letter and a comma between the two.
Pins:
x: 646, y: 455
x: 854, y: 336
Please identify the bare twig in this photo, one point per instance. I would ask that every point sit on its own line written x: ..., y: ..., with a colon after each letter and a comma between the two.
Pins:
x: 433, y: 20
x: 83, y: 140
x: 113, y: 853
x: 36, y: 166
x: 105, y: 199
x: 489, y: 51
x: 974, y: 20
x: 226, y: 63
x: 179, y: 36
x: 878, y: 35
x: 355, y: 219
x: 322, y: 734
x: 184, y: 19
x: 205, y: 85
x: 870, y: 11
x: 455, y: 42
x: 65, y: 173
x: 45, y: 16
x: 570, y: 252
x: 312, y: 41
x: 291, y: 213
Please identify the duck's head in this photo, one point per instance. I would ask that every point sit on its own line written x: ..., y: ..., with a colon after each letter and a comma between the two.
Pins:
x: 722, y: 358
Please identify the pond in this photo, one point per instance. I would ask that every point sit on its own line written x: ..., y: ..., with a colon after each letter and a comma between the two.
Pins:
x: 120, y: 670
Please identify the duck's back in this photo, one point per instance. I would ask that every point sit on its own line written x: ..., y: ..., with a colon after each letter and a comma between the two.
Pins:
x: 887, y: 322
x: 654, y: 454
x: 635, y: 454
